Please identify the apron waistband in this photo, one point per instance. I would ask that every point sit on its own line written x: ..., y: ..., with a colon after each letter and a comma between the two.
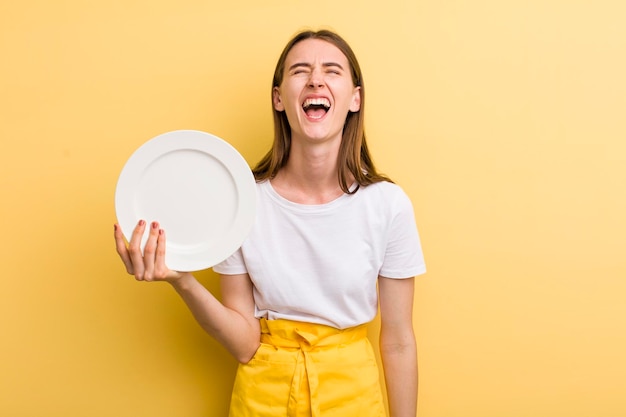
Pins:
x: 307, y: 336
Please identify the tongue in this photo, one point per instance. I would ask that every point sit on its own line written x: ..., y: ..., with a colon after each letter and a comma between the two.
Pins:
x: 315, y: 112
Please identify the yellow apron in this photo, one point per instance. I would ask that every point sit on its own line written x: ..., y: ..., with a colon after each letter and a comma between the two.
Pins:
x: 309, y: 370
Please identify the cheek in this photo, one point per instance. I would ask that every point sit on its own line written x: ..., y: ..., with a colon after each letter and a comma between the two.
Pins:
x: 291, y: 110
x: 289, y: 96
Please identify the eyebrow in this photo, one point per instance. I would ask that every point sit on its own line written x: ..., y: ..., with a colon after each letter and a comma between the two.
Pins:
x: 307, y: 65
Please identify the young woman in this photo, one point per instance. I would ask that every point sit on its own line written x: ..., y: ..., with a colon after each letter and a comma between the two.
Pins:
x: 333, y: 241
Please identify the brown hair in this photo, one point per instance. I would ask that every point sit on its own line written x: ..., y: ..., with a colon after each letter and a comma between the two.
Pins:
x: 354, y: 157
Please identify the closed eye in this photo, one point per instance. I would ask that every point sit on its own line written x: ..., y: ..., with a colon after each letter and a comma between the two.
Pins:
x: 305, y: 68
x: 299, y: 68
x: 333, y: 68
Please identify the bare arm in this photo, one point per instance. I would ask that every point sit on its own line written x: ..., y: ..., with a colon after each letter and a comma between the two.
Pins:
x: 397, y: 345
x: 231, y: 322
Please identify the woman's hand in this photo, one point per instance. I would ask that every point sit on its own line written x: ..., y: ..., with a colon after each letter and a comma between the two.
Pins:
x: 149, y: 266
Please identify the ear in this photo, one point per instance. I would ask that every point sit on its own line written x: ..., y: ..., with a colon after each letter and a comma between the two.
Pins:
x: 278, y: 103
x: 355, y: 104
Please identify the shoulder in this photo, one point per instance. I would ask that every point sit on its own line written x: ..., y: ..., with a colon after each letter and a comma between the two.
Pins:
x: 261, y: 183
x: 263, y: 188
x: 385, y: 187
x: 385, y: 192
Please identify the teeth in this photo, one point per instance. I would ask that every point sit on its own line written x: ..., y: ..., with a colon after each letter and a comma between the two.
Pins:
x: 316, y: 102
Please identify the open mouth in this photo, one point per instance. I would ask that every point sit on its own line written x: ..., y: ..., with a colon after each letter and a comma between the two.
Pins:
x: 316, y: 108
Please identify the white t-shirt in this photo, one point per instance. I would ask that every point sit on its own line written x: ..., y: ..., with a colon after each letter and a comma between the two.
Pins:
x: 320, y: 263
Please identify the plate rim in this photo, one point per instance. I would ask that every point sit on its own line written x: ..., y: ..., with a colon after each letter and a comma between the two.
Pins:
x: 224, y: 153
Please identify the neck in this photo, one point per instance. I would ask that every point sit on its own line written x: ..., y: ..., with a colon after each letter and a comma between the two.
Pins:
x: 310, y: 176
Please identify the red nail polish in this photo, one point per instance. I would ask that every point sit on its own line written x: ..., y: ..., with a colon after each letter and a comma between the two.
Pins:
x: 154, y: 225
x: 142, y: 222
x: 115, y: 227
x: 160, y: 231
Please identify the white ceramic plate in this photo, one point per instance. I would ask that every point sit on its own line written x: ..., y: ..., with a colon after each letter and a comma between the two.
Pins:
x: 198, y: 187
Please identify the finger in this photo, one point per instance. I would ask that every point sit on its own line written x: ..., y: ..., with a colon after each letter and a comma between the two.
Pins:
x: 161, y: 270
x: 134, y: 249
x: 122, y: 250
x: 149, y: 252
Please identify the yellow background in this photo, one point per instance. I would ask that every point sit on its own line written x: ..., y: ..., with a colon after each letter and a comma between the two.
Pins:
x: 505, y: 122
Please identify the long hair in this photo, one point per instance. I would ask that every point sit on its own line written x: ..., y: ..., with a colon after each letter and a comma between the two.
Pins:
x: 354, y: 159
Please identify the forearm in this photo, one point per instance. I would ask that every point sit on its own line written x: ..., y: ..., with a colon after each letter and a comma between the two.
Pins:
x: 241, y: 337
x: 400, y: 368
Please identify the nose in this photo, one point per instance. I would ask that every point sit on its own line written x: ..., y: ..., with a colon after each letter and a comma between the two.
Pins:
x: 316, y: 79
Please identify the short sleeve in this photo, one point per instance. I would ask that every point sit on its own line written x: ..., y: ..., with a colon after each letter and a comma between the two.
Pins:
x: 403, y: 252
x: 233, y: 265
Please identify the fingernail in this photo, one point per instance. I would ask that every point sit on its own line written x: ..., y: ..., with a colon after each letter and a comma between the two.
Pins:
x: 155, y: 225
x: 160, y: 231
x: 115, y: 227
x: 142, y: 222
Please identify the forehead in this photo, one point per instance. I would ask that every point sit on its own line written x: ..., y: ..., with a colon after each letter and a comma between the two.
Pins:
x: 315, y: 50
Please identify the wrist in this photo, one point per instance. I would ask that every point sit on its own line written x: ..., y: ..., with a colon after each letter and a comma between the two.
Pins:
x: 183, y: 281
